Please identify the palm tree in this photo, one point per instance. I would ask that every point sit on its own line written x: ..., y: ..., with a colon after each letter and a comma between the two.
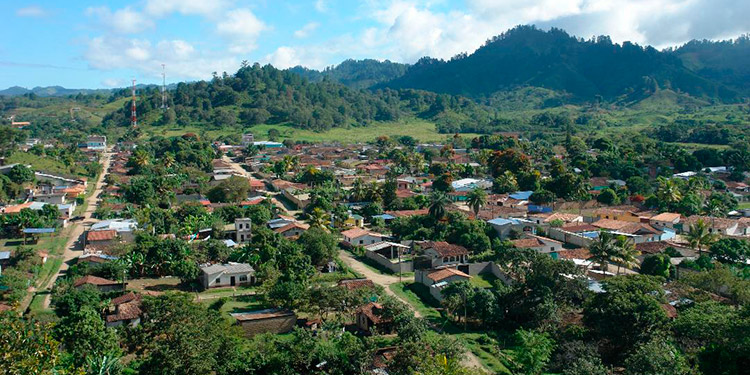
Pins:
x: 438, y: 201
x: 699, y: 235
x: 476, y: 199
x: 358, y: 190
x: 603, y: 250
x: 668, y: 191
x: 168, y: 160
x: 318, y: 218
x: 141, y: 158
x: 626, y: 253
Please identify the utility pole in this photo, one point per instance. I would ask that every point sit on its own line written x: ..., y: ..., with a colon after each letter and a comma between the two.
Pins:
x: 133, y: 118
x: 163, y: 88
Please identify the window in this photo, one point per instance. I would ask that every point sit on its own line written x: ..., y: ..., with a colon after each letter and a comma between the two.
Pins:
x: 361, y: 241
x: 243, y: 278
x: 445, y: 259
x: 218, y: 280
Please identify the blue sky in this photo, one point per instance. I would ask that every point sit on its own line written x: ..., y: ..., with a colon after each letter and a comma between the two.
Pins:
x: 93, y: 44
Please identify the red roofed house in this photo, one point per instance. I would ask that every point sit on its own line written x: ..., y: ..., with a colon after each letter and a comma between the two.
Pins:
x: 101, y: 238
x: 437, y: 279
x: 538, y: 243
x: 442, y: 253
x: 127, y: 310
x: 361, y: 237
x: 294, y: 229
x: 369, y: 318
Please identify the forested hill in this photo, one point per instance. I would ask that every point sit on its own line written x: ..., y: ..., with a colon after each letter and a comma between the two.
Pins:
x: 527, y: 56
x: 357, y: 74
x: 266, y: 95
x: 727, y: 61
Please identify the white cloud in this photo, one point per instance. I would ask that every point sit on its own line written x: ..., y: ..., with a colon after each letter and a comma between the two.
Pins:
x: 123, y: 21
x: 113, y: 82
x: 31, y: 11
x: 321, y: 6
x: 242, y: 28
x: 306, y: 30
x: 208, y: 8
x: 181, y: 58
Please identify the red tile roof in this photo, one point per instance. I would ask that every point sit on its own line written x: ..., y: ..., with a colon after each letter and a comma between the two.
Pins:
x: 527, y: 243
x: 445, y: 249
x: 445, y: 273
x: 372, y: 311
x: 291, y: 226
x: 101, y: 235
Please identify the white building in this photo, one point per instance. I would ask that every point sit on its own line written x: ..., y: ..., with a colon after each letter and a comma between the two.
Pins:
x: 230, y: 274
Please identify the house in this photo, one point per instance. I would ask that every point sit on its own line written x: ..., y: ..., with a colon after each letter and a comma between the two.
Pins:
x: 125, y: 228
x: 281, y: 221
x: 243, y: 228
x: 355, y: 220
x: 102, y: 284
x: 636, y: 232
x: 127, y: 311
x: 538, y: 243
x: 292, y: 230
x: 247, y: 139
x: 51, y: 198
x: 266, y: 321
x: 665, y: 220
x: 361, y: 237
x: 505, y: 227
x: 102, y: 239
x: 229, y: 274
x: 370, y: 318
x: 716, y: 225
x: 442, y: 253
x: 438, y: 279
x: 614, y: 214
x: 96, y: 143
x: 548, y: 218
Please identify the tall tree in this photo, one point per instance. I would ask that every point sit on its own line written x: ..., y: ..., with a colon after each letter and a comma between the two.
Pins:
x: 438, y: 202
x: 476, y: 199
x: 698, y: 236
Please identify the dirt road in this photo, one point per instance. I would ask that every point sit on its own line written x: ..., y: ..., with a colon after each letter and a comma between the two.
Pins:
x: 378, y: 278
x: 74, y: 246
x: 469, y: 360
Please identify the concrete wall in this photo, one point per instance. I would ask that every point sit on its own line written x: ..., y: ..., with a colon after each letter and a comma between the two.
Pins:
x: 405, y: 266
x: 569, y: 237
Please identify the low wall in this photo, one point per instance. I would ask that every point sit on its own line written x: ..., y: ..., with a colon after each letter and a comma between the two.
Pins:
x: 404, y: 266
x: 569, y: 237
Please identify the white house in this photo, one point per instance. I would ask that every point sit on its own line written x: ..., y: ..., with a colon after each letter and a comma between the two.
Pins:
x: 541, y: 244
x: 362, y: 237
x: 438, y: 279
x: 665, y: 220
x: 230, y: 274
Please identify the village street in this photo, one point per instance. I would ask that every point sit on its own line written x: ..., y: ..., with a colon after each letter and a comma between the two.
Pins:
x: 74, y: 246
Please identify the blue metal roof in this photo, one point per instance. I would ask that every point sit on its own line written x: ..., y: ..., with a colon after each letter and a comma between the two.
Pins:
x: 501, y: 221
x: 521, y: 195
x: 38, y: 230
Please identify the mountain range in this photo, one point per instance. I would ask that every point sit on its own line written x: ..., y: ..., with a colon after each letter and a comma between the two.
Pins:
x: 525, y: 56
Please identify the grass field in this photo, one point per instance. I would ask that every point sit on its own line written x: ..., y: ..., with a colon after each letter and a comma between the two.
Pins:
x: 425, y: 304
x: 423, y: 131
x: 41, y: 163
x: 485, y: 348
x: 484, y: 280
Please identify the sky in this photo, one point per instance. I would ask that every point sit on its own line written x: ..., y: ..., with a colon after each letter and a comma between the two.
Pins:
x: 104, y: 44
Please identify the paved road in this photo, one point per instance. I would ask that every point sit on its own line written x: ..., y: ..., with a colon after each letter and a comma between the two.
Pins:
x: 74, y: 246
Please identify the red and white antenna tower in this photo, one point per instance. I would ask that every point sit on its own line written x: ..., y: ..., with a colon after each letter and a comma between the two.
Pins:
x: 133, y: 119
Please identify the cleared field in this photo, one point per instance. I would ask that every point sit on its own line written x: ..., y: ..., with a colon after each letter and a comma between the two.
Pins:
x: 421, y: 130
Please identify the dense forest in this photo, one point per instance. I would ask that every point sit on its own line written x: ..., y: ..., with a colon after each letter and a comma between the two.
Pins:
x: 358, y: 74
x: 588, y: 69
x: 266, y: 95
